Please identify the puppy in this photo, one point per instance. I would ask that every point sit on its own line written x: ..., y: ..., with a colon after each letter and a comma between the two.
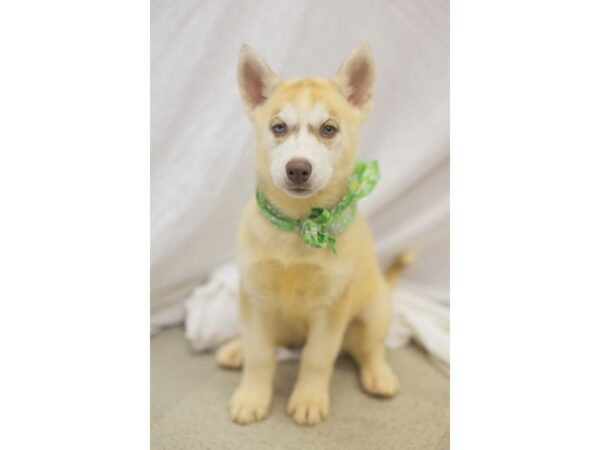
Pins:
x: 327, y: 299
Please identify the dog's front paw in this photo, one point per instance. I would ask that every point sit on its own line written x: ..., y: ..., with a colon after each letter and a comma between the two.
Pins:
x: 308, y: 407
x: 249, y: 405
x: 379, y: 380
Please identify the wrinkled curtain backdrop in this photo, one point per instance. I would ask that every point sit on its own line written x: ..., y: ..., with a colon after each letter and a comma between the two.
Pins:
x: 202, y: 143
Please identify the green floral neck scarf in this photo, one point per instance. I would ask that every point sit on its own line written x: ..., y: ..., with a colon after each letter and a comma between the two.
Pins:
x: 322, y: 224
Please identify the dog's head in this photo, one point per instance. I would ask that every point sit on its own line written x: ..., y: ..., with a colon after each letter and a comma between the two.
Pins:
x: 307, y: 129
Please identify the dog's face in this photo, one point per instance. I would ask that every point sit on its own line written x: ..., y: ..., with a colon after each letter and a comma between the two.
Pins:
x: 307, y: 129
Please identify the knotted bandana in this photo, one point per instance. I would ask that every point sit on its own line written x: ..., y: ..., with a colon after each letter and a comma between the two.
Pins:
x: 322, y: 224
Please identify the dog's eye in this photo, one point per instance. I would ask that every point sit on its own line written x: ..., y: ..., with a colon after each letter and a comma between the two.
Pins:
x: 279, y: 129
x: 328, y: 130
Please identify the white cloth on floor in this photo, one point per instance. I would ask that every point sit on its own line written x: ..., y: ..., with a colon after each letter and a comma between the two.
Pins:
x: 211, y: 316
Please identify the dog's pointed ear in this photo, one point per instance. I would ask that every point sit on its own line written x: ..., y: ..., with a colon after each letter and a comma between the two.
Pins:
x: 356, y: 77
x: 255, y: 78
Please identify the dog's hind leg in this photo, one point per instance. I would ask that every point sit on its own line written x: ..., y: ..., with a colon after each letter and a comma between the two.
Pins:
x: 365, y: 340
x: 231, y: 354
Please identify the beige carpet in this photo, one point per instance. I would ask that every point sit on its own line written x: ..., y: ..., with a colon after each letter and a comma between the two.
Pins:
x: 190, y: 396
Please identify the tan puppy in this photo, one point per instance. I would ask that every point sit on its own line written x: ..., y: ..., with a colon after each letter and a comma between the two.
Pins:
x: 292, y: 294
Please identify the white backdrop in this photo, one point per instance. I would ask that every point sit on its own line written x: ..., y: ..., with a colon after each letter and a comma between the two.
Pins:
x: 202, y: 144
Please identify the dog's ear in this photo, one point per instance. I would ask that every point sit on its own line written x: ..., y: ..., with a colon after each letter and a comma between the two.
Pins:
x: 356, y: 77
x: 255, y: 78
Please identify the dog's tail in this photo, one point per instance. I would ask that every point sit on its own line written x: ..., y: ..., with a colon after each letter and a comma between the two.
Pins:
x: 399, y: 264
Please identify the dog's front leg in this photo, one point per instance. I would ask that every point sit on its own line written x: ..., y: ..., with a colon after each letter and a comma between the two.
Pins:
x: 250, y: 402
x: 309, y: 402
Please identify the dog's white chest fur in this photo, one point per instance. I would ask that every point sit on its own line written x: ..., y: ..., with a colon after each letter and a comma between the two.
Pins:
x: 281, y: 271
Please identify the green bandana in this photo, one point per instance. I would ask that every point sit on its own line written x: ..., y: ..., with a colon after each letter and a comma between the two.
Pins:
x: 322, y: 224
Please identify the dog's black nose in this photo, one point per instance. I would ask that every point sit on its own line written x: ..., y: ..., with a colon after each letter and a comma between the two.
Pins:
x: 298, y: 170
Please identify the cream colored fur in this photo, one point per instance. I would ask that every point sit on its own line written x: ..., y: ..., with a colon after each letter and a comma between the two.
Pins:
x: 291, y: 294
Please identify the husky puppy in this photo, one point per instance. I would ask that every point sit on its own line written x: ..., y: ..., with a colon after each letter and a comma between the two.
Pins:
x: 293, y: 294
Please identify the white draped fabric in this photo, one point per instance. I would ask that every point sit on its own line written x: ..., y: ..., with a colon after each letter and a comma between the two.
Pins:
x: 202, y: 144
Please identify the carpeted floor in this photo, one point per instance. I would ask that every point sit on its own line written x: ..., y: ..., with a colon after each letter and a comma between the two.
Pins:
x: 189, y: 397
